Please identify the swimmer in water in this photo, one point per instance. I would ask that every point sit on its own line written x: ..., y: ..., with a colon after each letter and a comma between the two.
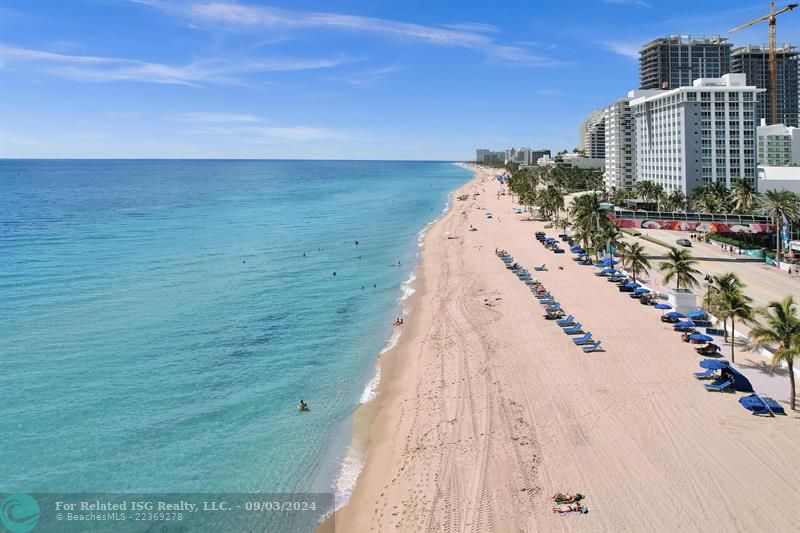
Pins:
x: 303, y: 406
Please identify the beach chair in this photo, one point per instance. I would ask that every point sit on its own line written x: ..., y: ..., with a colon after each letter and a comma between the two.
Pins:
x: 592, y: 347
x: 575, y: 329
x: 555, y: 307
x: 540, y: 268
x: 548, y: 301
x: 708, y: 373
x: 564, y: 322
x: 719, y: 384
x: 585, y: 339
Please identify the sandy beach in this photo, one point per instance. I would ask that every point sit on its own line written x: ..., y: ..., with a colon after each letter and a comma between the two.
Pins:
x: 485, y: 408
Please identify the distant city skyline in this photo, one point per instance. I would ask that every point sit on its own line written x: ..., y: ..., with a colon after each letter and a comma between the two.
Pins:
x: 318, y: 80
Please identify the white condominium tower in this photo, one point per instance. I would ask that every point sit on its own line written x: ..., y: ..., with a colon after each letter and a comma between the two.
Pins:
x: 592, y: 135
x: 620, y: 151
x: 778, y: 145
x: 691, y: 136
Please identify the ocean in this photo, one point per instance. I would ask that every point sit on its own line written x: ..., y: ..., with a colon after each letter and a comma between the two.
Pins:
x: 161, y: 319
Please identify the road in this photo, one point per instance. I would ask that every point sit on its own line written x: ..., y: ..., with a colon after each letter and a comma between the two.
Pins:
x: 764, y: 283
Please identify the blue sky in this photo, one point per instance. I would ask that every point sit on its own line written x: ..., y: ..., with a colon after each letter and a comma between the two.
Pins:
x: 385, y: 79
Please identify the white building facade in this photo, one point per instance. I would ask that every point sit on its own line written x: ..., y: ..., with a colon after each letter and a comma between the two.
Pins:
x: 689, y: 137
x: 778, y: 145
x: 620, y: 150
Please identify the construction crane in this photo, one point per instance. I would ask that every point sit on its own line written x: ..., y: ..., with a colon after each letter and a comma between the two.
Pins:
x: 772, y: 84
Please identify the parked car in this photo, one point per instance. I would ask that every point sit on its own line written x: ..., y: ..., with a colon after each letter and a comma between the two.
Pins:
x: 685, y: 242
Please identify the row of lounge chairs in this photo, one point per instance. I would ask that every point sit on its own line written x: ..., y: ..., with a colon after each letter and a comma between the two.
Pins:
x: 549, y: 242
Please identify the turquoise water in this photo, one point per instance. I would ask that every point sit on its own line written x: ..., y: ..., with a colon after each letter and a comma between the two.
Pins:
x: 159, y: 323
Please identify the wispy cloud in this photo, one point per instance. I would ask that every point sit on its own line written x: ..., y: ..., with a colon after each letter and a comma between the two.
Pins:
x: 364, y: 79
x: 625, y: 49
x: 635, y: 3
x: 213, y: 117
x: 236, y: 16
x: 282, y: 133
x: 109, y: 69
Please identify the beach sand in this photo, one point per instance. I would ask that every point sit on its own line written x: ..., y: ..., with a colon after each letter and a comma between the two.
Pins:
x: 485, y: 408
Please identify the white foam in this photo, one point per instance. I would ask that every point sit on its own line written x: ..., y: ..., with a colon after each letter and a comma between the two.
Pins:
x: 371, y: 390
x: 345, y: 482
x: 408, y: 290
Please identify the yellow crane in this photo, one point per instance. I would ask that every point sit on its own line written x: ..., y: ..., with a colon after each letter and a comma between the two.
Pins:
x: 773, y: 60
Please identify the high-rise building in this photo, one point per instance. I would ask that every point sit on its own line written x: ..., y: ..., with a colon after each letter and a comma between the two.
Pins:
x: 753, y: 61
x: 677, y: 60
x: 525, y: 156
x: 778, y: 145
x: 483, y: 155
x: 691, y: 136
x: 592, y: 135
x: 620, y: 150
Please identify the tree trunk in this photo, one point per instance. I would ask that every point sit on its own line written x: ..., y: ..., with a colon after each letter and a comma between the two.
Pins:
x: 791, y: 381
x: 778, y: 240
x: 733, y: 340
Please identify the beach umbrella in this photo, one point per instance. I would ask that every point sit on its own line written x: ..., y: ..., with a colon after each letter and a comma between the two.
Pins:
x: 714, y: 364
x: 632, y: 285
x: 608, y: 270
x: 685, y: 324
x: 641, y: 291
x: 675, y: 314
x: 700, y: 313
x: 699, y: 337
x: 663, y: 306
x: 577, y: 250
x: 608, y: 261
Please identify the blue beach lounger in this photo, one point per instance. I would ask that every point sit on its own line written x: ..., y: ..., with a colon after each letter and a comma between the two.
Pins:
x: 708, y: 373
x: 586, y: 339
x: 592, y: 347
x: 540, y: 268
x: 575, y: 329
x: 719, y: 385
x: 564, y: 322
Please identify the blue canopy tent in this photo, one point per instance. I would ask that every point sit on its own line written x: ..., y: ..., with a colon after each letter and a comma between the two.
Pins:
x: 577, y: 250
x: 674, y: 314
x: 761, y: 405
x: 699, y: 314
x: 714, y: 364
x: 699, y: 337
x: 740, y: 382
x: 663, y: 306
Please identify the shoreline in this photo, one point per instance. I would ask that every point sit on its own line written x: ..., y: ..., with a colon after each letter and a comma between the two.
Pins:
x: 365, y: 414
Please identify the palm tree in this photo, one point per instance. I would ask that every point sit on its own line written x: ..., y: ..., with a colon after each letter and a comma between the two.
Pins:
x: 732, y: 303
x: 723, y: 284
x: 718, y: 190
x: 782, y: 329
x: 633, y: 259
x: 676, y: 201
x: 743, y: 197
x: 781, y: 205
x: 679, y: 266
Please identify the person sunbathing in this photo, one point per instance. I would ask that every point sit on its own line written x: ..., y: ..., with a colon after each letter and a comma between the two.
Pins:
x: 562, y: 497
x: 570, y: 508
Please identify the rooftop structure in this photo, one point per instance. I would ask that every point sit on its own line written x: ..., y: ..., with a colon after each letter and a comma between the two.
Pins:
x: 753, y: 61
x: 677, y: 60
